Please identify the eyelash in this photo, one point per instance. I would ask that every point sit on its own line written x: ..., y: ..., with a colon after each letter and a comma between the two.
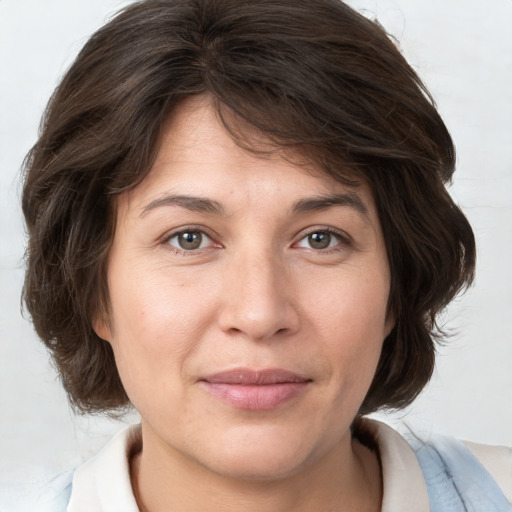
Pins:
x: 190, y: 229
x: 343, y: 239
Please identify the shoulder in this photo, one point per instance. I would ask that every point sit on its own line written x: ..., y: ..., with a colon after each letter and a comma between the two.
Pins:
x: 446, y: 473
x: 497, y: 460
x: 55, y: 496
x: 454, y: 472
x: 49, y: 495
x: 101, y: 483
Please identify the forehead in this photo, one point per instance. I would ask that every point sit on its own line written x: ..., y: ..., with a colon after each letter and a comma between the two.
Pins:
x: 197, y: 157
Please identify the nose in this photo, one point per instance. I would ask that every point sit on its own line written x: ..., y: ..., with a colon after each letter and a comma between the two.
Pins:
x: 258, y: 299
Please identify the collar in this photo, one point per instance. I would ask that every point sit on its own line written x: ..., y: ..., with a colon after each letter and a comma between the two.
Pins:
x: 404, y: 488
x: 103, y: 482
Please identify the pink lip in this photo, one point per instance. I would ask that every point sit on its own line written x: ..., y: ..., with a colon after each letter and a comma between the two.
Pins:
x: 255, y: 389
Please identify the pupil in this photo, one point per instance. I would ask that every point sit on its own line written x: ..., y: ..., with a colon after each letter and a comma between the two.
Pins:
x: 319, y: 240
x: 190, y: 240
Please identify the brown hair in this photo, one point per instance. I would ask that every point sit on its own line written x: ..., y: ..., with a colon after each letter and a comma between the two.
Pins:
x: 311, y: 75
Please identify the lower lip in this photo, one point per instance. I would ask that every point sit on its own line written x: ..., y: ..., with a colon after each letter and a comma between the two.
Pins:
x: 261, y: 397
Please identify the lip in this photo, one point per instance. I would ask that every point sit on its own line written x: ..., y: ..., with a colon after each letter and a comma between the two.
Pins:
x: 254, y: 390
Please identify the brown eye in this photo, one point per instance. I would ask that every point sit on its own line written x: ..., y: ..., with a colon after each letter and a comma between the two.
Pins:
x: 189, y: 240
x: 320, y: 240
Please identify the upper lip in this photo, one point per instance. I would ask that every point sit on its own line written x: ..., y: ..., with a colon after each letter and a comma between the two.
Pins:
x: 247, y: 377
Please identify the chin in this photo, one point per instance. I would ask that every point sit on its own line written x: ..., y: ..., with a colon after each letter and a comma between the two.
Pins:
x: 259, y: 458
x: 259, y: 468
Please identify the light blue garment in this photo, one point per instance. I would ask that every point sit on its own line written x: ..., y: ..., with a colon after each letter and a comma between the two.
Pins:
x: 456, y: 480
x: 57, y: 494
x: 48, y: 496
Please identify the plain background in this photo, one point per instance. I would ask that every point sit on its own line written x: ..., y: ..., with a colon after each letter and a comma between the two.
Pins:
x: 463, y: 51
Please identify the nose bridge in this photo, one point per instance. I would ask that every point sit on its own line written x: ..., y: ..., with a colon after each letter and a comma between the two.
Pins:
x: 258, y: 278
x: 257, y: 296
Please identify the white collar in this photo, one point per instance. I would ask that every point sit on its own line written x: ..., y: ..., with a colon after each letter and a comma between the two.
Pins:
x: 404, y: 488
x: 103, y: 483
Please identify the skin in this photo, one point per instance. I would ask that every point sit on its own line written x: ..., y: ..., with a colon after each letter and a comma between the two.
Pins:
x: 260, y: 292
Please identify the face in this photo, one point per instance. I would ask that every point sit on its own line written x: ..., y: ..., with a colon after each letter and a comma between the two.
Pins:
x: 248, y: 303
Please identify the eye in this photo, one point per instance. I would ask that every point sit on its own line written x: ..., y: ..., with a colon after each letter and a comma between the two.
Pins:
x: 320, y: 240
x: 190, y: 240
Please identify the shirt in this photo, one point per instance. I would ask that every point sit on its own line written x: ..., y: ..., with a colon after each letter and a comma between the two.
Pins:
x: 102, y: 484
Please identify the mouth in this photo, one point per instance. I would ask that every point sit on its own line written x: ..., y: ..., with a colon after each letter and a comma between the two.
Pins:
x: 255, y: 390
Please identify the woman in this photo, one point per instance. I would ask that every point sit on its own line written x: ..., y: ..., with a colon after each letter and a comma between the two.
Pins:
x: 238, y: 224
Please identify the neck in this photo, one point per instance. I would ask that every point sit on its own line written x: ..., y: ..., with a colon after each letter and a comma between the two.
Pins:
x: 347, y: 479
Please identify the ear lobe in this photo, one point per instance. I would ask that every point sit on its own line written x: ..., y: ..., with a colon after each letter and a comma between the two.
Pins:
x: 101, y: 326
x: 389, y: 325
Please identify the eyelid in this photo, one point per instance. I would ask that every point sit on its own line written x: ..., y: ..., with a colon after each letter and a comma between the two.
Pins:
x: 169, y: 235
x: 342, y: 235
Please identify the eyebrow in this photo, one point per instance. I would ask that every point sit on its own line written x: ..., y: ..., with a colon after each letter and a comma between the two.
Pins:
x: 305, y: 205
x: 350, y: 199
x: 195, y: 204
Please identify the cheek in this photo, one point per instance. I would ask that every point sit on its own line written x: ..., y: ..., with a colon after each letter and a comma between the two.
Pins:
x: 153, y: 305
x: 349, y: 317
x: 156, y: 325
x: 351, y: 304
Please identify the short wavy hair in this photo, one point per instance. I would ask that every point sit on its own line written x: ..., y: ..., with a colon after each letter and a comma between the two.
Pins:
x: 312, y: 76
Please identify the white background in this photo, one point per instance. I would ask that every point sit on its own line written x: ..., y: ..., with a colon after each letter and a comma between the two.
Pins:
x: 462, y: 49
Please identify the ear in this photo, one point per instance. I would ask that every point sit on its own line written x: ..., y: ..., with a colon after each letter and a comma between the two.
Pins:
x: 101, y: 326
x: 390, y: 323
